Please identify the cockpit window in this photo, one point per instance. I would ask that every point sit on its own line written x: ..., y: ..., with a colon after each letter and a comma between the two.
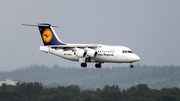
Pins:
x: 123, y: 51
x: 126, y: 51
x: 129, y: 51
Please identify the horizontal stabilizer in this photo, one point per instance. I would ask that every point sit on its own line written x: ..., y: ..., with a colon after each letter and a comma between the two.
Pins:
x: 40, y: 24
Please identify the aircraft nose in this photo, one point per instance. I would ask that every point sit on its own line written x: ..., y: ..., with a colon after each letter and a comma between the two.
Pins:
x: 136, y: 58
x: 133, y: 58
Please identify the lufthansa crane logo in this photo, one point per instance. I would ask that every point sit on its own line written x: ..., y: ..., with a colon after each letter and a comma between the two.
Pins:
x: 47, y: 35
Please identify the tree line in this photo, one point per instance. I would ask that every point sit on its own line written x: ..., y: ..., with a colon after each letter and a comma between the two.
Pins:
x: 155, y: 77
x: 35, y: 91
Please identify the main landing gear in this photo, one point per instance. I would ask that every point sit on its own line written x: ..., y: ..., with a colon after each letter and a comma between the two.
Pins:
x: 98, y: 65
x: 131, y: 66
x: 83, y: 64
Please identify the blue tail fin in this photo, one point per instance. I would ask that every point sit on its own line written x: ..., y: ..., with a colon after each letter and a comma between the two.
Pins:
x: 48, y: 34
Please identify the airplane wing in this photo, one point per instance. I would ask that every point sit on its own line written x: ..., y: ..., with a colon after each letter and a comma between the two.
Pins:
x: 74, y: 46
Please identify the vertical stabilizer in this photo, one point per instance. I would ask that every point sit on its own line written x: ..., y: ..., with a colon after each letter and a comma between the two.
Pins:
x: 48, y: 34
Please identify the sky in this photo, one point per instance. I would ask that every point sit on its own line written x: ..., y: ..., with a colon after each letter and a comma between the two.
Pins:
x: 150, y: 28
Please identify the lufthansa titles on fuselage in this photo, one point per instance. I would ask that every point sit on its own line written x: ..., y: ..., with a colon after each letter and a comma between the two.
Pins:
x: 105, y: 54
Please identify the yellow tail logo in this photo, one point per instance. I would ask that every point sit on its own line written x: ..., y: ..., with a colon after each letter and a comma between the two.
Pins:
x: 47, y: 35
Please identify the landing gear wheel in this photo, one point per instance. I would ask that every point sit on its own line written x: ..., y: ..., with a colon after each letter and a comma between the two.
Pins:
x: 98, y: 65
x: 83, y: 64
x: 131, y: 66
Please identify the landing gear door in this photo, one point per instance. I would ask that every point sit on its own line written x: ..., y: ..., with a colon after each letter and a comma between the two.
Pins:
x: 82, y: 60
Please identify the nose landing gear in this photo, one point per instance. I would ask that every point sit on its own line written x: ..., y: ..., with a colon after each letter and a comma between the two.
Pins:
x: 131, y: 66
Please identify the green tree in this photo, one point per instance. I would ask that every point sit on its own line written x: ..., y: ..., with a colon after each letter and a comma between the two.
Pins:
x: 168, y: 97
x: 30, y: 89
x: 111, y: 92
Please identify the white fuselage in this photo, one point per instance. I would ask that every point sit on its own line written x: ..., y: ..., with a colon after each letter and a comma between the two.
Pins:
x: 111, y: 54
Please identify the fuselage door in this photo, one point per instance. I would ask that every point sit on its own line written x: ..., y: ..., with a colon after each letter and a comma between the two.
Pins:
x: 116, y: 52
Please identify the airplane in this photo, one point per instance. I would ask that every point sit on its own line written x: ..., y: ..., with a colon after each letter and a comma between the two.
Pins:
x: 83, y: 53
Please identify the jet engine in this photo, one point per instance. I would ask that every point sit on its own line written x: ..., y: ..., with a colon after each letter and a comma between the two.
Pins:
x: 80, y: 53
x: 92, y: 53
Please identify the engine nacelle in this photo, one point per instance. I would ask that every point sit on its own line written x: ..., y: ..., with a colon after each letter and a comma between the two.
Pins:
x: 80, y: 53
x: 92, y: 53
